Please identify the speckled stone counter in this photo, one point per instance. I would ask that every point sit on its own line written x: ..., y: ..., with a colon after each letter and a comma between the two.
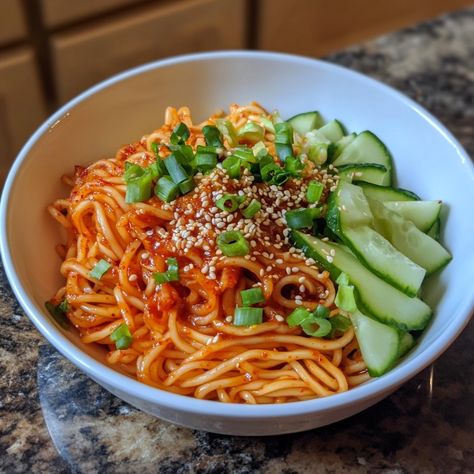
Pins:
x: 54, y: 419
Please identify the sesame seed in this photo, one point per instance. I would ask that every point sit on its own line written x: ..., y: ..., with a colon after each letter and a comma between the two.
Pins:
x: 279, y: 318
x: 229, y: 319
x: 144, y: 255
x: 329, y: 259
x: 132, y: 277
x: 302, y: 288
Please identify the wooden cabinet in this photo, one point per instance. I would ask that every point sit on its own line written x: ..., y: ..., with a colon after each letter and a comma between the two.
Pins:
x: 86, y: 56
x: 21, y: 105
x: 12, y: 21
x: 318, y: 27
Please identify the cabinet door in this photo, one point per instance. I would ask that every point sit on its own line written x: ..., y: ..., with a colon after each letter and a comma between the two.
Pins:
x: 84, y: 57
x: 318, y: 27
x: 12, y: 21
x: 22, y: 108
x: 59, y: 12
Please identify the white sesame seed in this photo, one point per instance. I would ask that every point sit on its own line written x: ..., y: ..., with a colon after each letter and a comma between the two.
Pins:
x: 144, y: 255
x: 329, y: 259
x: 229, y: 319
x: 132, y: 277
x: 302, y: 288
x: 279, y: 318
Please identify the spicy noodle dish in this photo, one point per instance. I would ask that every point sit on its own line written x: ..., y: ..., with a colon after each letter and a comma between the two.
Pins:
x: 247, y: 259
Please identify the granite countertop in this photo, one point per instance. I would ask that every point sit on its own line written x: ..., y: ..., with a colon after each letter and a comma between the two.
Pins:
x: 54, y: 419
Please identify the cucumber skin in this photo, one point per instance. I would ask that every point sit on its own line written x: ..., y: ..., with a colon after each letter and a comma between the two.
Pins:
x: 402, y: 193
x: 319, y: 122
x: 386, y: 179
x: 335, y: 272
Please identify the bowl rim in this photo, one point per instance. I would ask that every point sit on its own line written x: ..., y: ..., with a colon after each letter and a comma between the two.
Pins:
x: 132, y: 387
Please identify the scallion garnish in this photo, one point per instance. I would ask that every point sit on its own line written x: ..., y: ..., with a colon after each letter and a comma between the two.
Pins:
x: 58, y: 313
x: 268, y: 124
x: 252, y: 296
x: 205, y: 161
x: 283, y: 140
x: 339, y: 323
x: 251, y: 132
x: 227, y: 130
x: 166, y: 189
x: 316, y: 327
x: 229, y: 202
x: 345, y: 298
x: 209, y: 149
x: 122, y: 337
x: 212, y: 136
x: 293, y: 166
x: 232, y: 243
x: 245, y: 155
x: 175, y: 169
x: 302, y: 218
x: 296, y: 317
x: 248, y: 316
x: 171, y: 274
x: 139, y: 188
x: 187, y: 185
x: 251, y: 209
x: 180, y: 134
x: 232, y: 165
x: 313, y: 324
x: 100, y: 269
x: 314, y: 191
x: 132, y: 171
x: 259, y: 150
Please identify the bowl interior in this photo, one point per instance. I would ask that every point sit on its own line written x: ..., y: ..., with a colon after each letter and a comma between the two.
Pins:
x: 94, y: 126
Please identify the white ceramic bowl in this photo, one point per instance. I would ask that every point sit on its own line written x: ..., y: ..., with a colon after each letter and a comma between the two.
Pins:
x: 428, y: 160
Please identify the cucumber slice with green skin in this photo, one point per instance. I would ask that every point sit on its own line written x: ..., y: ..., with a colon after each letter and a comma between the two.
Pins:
x: 435, y: 230
x: 369, y: 173
x: 422, y: 213
x: 333, y: 131
x: 385, y: 193
x: 374, y: 296
x: 366, y: 148
x: 305, y: 122
x: 408, y: 239
x: 350, y: 217
x: 335, y: 149
x: 379, y: 343
x: 406, y: 343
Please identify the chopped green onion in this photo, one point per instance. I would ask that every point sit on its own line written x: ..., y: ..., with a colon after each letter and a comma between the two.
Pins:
x: 187, y: 185
x: 268, y: 124
x: 252, y: 296
x: 227, y: 130
x: 345, y: 298
x: 259, y: 150
x: 251, y: 132
x: 343, y: 279
x: 99, y: 270
x: 268, y: 171
x: 132, y: 171
x: 156, y: 169
x: 248, y: 316
x: 139, y: 188
x: 206, y: 161
x: 316, y: 327
x: 212, y: 135
x: 155, y: 148
x: 209, y: 149
x: 184, y: 154
x: 252, y: 209
x: 58, y: 314
x: 233, y: 244
x: 318, y: 153
x: 171, y: 274
x: 180, y: 134
x: 232, y: 165
x: 166, y: 189
x: 244, y: 154
x: 229, y: 202
x: 283, y: 133
x: 284, y: 150
x: 122, y: 337
x: 175, y: 170
x: 297, y: 316
x: 340, y: 323
x: 293, y: 166
x: 321, y: 311
x: 63, y: 306
x: 314, y: 191
x: 302, y: 218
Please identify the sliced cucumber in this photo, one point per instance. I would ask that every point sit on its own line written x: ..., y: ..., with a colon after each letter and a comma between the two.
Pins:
x: 435, y: 230
x: 374, y: 296
x: 379, y: 343
x: 369, y: 173
x: 333, y: 131
x: 385, y: 193
x: 406, y: 343
x: 422, y: 213
x: 335, y: 149
x: 305, y: 122
x: 408, y: 239
x: 366, y: 148
x: 350, y: 217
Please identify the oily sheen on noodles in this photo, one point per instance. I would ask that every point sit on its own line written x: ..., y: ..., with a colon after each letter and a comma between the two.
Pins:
x: 179, y: 331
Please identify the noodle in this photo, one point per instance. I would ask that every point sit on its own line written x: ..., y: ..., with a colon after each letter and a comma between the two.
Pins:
x: 183, y: 336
